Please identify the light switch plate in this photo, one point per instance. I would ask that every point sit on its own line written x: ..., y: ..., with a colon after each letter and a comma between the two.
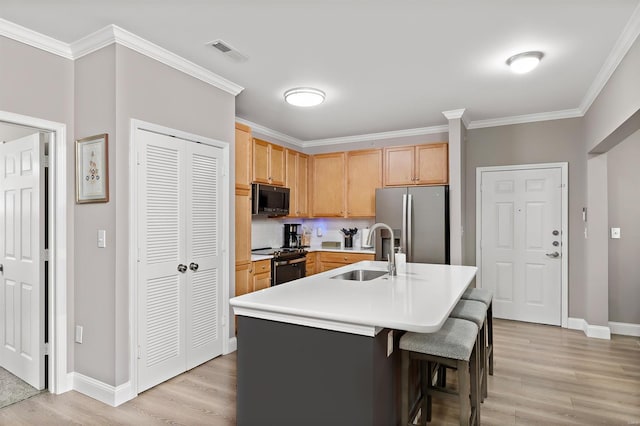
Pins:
x: 615, y: 233
x: 102, y: 238
x: 78, y: 334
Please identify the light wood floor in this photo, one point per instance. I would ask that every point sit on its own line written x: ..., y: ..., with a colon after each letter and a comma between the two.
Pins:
x: 543, y: 376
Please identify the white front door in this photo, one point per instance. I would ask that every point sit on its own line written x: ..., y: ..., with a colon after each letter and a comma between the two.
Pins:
x: 179, y: 301
x: 22, y: 295
x: 521, y: 243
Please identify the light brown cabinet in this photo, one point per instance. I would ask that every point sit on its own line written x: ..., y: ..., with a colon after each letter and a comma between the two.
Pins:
x: 244, y: 280
x: 243, y: 156
x: 328, y: 183
x: 364, y: 175
x: 297, y: 171
x: 328, y: 260
x: 268, y: 163
x: 311, y: 264
x: 261, y: 274
x: 243, y: 226
x: 416, y: 165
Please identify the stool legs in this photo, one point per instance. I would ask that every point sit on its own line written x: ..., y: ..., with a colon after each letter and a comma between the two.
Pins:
x: 490, y: 336
x: 404, y: 388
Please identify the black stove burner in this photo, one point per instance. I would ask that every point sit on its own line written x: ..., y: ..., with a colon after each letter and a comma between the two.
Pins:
x: 278, y: 253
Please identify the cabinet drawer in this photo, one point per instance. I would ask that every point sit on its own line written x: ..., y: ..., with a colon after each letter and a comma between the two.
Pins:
x: 344, y: 258
x: 261, y: 266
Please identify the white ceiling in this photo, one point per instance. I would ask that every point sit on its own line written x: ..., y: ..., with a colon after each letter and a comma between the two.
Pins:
x: 384, y: 65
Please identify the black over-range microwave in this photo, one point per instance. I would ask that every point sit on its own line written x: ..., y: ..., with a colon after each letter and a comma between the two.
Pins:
x: 269, y: 200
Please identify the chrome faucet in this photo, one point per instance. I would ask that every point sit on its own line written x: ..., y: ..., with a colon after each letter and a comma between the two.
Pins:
x: 391, y: 258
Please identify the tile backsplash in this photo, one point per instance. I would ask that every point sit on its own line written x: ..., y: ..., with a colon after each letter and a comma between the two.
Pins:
x: 269, y: 232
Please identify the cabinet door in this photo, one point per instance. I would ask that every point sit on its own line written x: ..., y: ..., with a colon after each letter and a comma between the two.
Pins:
x: 276, y: 165
x: 328, y: 185
x: 244, y: 279
x: 260, y: 161
x: 364, y: 175
x: 302, y: 185
x: 398, y: 166
x: 291, y: 180
x: 261, y: 281
x: 432, y: 164
x: 243, y: 226
x: 243, y: 156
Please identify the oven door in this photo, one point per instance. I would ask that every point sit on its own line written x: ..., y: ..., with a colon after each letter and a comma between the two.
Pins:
x: 283, y: 271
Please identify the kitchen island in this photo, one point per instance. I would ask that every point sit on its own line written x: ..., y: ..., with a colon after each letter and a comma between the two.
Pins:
x: 321, y: 350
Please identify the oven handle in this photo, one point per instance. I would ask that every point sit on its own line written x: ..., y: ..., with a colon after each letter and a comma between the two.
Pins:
x: 289, y: 262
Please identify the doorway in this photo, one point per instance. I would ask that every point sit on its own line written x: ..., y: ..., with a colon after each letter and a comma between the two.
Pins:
x: 522, y: 240
x: 180, y: 234
x: 33, y: 173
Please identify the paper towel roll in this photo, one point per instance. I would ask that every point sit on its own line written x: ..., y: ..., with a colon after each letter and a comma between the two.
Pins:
x: 364, y: 234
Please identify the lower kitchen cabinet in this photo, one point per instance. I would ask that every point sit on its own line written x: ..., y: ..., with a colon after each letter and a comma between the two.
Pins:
x: 261, y: 274
x: 311, y: 264
x: 328, y: 260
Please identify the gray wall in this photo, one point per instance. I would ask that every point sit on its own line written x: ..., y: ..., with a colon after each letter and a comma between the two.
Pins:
x: 131, y: 86
x: 541, y: 142
x: 39, y: 84
x: 618, y: 100
x: 624, y: 212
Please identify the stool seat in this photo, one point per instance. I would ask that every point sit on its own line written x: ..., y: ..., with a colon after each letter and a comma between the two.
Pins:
x: 478, y: 294
x: 454, y: 340
x: 470, y: 310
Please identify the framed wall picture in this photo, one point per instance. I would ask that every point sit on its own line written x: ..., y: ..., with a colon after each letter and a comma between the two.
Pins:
x: 92, y: 169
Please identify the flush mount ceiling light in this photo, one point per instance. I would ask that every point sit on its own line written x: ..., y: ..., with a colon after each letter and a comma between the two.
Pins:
x: 524, y: 62
x: 304, y: 96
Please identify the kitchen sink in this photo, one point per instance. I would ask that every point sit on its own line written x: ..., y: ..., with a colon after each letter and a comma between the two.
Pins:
x: 359, y: 275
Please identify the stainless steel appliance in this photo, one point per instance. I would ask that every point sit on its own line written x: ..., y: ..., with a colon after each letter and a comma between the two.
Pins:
x: 291, y: 235
x: 419, y: 217
x: 287, y: 264
x: 269, y: 200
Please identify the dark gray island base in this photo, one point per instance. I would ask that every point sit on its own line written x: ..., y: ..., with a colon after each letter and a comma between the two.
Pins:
x: 295, y: 375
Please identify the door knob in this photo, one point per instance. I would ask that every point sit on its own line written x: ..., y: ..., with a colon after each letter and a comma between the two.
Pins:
x: 554, y: 254
x: 193, y: 266
x: 555, y: 232
x: 1, y: 267
x: 182, y: 268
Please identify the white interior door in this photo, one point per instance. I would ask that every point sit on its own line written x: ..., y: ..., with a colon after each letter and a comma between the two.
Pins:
x: 521, y: 243
x: 179, y: 297
x: 22, y: 296
x: 204, y: 302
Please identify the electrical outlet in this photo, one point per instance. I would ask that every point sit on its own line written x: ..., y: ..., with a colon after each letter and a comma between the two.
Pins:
x: 78, y: 334
x: 615, y: 233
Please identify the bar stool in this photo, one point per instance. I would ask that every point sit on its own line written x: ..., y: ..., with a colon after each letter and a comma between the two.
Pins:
x: 454, y: 345
x: 485, y: 296
x: 476, y: 312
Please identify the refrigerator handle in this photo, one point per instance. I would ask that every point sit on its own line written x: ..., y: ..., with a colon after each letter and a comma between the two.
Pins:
x: 409, y: 230
x: 403, y: 236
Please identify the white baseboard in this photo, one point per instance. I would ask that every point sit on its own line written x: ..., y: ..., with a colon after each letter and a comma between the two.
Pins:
x: 110, y: 395
x: 595, y: 331
x: 625, y: 329
x: 232, y: 346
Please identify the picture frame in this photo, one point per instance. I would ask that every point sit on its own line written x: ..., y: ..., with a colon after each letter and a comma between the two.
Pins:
x: 92, y: 169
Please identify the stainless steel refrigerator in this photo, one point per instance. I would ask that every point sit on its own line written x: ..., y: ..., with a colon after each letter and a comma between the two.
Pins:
x: 419, y: 217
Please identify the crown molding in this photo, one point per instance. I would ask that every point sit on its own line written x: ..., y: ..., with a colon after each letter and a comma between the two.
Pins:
x: 620, y: 48
x: 527, y: 118
x: 377, y: 136
x: 271, y: 133
x: 114, y: 34
x: 34, y: 39
x: 458, y: 113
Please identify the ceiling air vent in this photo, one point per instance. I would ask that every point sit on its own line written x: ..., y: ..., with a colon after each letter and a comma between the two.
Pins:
x: 228, y: 50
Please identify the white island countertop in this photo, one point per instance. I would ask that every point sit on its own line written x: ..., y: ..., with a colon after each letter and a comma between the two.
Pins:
x: 418, y: 299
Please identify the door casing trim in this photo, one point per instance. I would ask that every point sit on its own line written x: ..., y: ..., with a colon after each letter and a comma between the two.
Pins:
x: 133, y: 238
x: 564, y: 170
x: 58, y: 225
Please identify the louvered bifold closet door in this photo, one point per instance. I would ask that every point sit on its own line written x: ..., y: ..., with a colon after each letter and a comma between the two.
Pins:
x: 204, y: 308
x: 162, y: 247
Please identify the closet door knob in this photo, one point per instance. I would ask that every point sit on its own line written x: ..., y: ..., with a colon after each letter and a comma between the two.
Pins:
x: 182, y: 268
x: 193, y: 266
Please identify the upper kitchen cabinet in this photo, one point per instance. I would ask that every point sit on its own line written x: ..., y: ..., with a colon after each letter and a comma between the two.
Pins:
x: 297, y: 170
x: 268, y: 163
x: 416, y: 165
x: 243, y: 156
x: 364, y: 175
x: 328, y: 183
